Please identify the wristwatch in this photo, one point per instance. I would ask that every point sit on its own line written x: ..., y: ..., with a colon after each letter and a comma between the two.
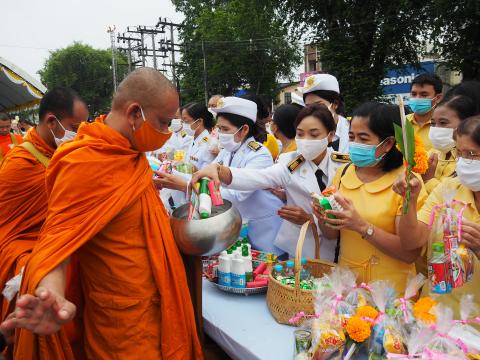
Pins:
x: 369, y: 232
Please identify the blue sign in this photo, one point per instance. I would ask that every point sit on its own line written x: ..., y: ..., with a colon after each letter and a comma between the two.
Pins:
x: 240, y: 93
x: 399, y: 81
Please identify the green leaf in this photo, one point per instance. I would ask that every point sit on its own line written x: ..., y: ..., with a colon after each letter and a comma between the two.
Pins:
x: 399, y: 138
x: 410, y: 143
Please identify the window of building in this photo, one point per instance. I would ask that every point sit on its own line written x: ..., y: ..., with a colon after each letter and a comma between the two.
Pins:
x: 288, y: 98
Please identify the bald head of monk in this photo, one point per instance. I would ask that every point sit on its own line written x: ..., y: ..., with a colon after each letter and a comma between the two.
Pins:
x: 61, y: 112
x: 142, y: 108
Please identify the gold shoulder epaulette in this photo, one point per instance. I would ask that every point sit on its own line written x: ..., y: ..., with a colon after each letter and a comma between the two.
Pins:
x: 295, y: 163
x: 205, y: 139
x: 339, y: 157
x: 254, y: 145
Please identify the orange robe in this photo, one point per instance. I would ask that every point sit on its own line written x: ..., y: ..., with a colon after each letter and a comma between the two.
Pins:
x: 23, y: 204
x: 6, y: 144
x: 105, y: 210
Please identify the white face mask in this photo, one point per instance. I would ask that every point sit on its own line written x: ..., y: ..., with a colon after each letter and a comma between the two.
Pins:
x: 311, y: 149
x: 227, y: 141
x: 469, y: 173
x: 176, y: 125
x: 68, y: 135
x: 188, y: 128
x: 442, y: 138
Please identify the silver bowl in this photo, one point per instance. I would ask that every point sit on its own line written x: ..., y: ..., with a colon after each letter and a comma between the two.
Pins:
x: 206, y: 237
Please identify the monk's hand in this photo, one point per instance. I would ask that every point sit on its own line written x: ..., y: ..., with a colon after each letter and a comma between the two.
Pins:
x: 471, y: 236
x: 7, y: 328
x: 211, y: 171
x: 169, y: 181
x: 45, y: 313
x: 294, y: 214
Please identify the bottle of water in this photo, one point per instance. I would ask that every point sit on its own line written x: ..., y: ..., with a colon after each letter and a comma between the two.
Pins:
x: 305, y: 273
x: 289, y: 271
x: 277, y: 272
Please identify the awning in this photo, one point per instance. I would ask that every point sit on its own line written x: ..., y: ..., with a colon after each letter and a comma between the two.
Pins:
x: 18, y: 90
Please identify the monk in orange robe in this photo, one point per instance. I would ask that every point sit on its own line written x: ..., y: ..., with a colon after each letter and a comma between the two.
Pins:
x: 8, y: 140
x: 23, y: 197
x: 105, y: 216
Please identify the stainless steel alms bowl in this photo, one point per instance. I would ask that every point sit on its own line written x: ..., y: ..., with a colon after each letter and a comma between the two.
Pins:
x: 207, y: 236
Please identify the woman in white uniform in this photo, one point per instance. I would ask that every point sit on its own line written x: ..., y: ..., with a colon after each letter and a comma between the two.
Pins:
x: 309, y: 169
x: 236, y: 119
x: 324, y: 89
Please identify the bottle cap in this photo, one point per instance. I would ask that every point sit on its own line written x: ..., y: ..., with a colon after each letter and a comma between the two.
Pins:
x: 290, y: 263
x: 229, y: 251
x: 244, y: 241
x: 244, y: 250
x: 204, y: 185
x: 204, y: 215
x: 238, y: 243
x: 278, y: 268
x: 304, y: 261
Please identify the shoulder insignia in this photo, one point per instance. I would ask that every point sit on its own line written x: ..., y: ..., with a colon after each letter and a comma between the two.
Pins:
x: 339, y: 157
x: 183, y: 133
x: 220, y: 162
x: 193, y: 158
x: 254, y: 145
x: 205, y: 139
x: 349, y: 118
x: 295, y: 163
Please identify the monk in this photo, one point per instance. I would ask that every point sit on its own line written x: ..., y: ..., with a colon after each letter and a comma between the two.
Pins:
x: 8, y: 140
x: 105, y: 217
x: 23, y: 197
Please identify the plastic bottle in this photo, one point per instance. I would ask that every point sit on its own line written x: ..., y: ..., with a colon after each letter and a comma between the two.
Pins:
x: 238, y: 273
x: 277, y: 272
x: 238, y: 247
x: 247, y: 263
x: 438, y: 270
x: 205, y: 201
x: 289, y: 272
x: 245, y: 243
x: 304, y: 273
x: 224, y: 269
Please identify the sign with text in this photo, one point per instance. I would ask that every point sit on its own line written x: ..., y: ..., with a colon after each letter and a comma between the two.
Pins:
x: 398, y: 81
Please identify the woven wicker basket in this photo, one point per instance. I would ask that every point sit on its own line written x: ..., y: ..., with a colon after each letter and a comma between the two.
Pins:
x: 284, y: 301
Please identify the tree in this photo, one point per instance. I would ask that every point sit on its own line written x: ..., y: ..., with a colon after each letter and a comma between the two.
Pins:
x: 246, y: 46
x: 455, y: 35
x: 359, y: 40
x: 86, y: 70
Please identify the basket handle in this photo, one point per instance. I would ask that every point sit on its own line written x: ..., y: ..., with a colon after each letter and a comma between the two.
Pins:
x: 298, y: 251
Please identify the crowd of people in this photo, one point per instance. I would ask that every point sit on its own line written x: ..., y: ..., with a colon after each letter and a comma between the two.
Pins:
x: 88, y: 263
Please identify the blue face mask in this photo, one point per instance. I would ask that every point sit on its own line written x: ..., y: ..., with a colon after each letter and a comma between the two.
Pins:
x: 420, y: 106
x: 363, y: 155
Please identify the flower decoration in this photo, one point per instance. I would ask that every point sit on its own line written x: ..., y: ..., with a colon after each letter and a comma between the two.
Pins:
x: 422, y: 310
x: 357, y: 329
x: 367, y: 312
x: 420, y: 156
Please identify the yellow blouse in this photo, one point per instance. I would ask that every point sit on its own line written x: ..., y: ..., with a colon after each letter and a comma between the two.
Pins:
x: 378, y: 204
x: 421, y: 131
x: 471, y: 213
x: 272, y: 145
x: 445, y: 168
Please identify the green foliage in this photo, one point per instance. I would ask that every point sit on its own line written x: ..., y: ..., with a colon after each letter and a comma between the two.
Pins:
x: 86, y: 70
x: 455, y: 35
x: 246, y: 46
x: 359, y: 40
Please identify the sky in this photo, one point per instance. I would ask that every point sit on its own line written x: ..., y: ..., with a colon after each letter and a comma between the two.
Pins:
x: 29, y: 29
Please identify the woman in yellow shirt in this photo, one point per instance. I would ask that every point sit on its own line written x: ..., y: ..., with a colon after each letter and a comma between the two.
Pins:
x: 414, y: 231
x: 445, y: 119
x: 283, y: 128
x: 368, y: 225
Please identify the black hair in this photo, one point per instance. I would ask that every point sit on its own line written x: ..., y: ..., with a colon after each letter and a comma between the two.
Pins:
x: 461, y: 104
x: 4, y: 116
x: 332, y: 97
x: 238, y: 121
x: 470, y: 89
x: 319, y: 111
x: 200, y: 111
x: 284, y: 118
x: 186, y: 106
x: 381, y: 118
x: 58, y: 101
x: 470, y: 127
x: 428, y: 79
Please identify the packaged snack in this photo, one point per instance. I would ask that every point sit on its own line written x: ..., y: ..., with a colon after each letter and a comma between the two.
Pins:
x: 414, y: 283
x: 462, y: 330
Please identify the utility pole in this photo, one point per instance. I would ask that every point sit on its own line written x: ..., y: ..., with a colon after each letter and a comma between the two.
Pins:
x: 205, y: 73
x: 111, y: 30
x: 174, y: 74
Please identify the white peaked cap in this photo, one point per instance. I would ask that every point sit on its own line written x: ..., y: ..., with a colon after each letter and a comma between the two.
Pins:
x: 237, y: 106
x: 320, y: 82
x: 297, y: 99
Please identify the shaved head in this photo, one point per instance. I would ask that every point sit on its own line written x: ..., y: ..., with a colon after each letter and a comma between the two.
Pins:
x: 145, y: 86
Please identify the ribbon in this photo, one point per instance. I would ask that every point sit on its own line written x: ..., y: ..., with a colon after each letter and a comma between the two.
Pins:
x: 468, y: 321
x: 299, y: 316
x: 403, y: 356
x: 403, y: 306
x: 364, y: 286
x: 459, y: 215
x: 338, y: 298
x: 457, y: 342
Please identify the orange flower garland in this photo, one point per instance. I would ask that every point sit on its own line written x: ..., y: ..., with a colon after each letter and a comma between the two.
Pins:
x: 420, y: 156
x: 422, y: 310
x: 357, y: 329
x: 367, y: 312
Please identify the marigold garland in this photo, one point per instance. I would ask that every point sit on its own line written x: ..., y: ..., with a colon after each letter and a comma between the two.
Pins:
x: 422, y: 310
x: 367, y: 312
x: 357, y: 329
x: 420, y: 156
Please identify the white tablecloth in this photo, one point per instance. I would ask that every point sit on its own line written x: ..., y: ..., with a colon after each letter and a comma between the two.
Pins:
x: 243, y: 326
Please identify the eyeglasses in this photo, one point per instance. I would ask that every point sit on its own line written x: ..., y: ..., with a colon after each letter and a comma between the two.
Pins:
x: 468, y: 156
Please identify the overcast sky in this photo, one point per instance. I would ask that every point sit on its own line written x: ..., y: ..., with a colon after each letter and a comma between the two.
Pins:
x: 30, y: 28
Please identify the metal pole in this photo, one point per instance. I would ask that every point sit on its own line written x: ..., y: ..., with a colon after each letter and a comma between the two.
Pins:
x: 204, y: 73
x: 143, y: 48
x: 154, y: 52
x: 129, y: 56
x: 111, y: 30
x: 172, y: 42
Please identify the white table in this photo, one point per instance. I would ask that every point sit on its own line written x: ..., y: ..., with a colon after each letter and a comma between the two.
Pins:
x: 243, y: 326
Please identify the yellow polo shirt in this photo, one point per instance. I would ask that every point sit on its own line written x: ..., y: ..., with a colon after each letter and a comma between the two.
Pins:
x: 471, y: 213
x: 272, y: 145
x: 378, y: 204
x: 421, y: 131
x: 445, y: 168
